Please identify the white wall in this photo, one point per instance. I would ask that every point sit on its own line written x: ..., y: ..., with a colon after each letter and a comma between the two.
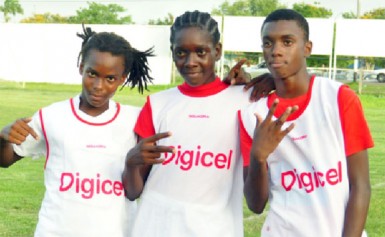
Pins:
x: 48, y: 52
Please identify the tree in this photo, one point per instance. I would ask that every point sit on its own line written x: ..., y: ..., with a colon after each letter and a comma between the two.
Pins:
x: 308, y: 10
x: 100, y: 14
x: 378, y: 13
x: 349, y: 15
x: 247, y: 8
x: 11, y: 7
x: 168, y: 20
x: 45, y: 18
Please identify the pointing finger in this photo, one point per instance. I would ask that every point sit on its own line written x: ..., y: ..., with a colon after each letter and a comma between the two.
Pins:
x: 156, y: 137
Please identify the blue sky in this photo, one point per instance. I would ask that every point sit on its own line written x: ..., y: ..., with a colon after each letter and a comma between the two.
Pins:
x: 143, y: 10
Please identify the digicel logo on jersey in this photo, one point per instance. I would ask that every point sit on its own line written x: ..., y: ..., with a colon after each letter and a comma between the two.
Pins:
x: 87, y: 187
x: 311, y: 180
x: 186, y: 159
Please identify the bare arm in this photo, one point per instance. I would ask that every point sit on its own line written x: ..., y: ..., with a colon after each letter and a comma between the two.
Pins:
x: 139, y: 161
x: 256, y: 187
x: 359, y: 198
x: 15, y: 133
x: 267, y: 136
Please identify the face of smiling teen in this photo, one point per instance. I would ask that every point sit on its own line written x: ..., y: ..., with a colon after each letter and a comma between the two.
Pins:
x: 102, y: 74
x: 194, y: 55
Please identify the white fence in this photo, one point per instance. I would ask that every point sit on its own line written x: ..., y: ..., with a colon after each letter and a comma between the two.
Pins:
x: 48, y: 52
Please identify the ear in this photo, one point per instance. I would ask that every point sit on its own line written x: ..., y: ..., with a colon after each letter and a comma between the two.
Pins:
x: 308, y: 48
x: 218, y: 51
x: 81, y: 67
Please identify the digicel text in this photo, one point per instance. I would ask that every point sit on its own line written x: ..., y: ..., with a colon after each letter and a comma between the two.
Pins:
x: 186, y: 159
x: 311, y: 180
x: 87, y: 187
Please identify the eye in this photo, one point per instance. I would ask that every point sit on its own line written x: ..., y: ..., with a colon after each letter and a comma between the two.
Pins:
x: 201, y: 52
x: 266, y: 44
x: 180, y: 53
x: 110, y: 79
x: 288, y: 42
x: 91, y: 74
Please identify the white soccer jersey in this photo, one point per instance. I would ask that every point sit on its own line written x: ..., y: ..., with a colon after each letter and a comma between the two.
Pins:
x: 85, y: 159
x: 308, y: 180
x: 198, y: 191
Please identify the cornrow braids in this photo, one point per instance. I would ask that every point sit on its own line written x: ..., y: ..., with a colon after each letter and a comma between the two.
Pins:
x: 203, y: 20
x: 135, y: 61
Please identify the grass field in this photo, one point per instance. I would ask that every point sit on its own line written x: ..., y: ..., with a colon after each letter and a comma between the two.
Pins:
x: 22, y: 189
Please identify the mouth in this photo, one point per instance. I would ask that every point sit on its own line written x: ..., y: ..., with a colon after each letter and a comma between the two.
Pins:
x: 276, y: 64
x: 192, y: 74
x: 96, y: 98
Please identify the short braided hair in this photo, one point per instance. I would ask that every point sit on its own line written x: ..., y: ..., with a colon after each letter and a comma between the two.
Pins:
x: 199, y: 19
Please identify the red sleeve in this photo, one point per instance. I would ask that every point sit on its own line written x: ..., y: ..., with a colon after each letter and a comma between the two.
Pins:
x: 245, y: 141
x: 354, y: 126
x: 144, y: 126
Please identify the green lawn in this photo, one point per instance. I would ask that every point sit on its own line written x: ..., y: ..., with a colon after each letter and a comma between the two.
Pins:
x: 21, y: 186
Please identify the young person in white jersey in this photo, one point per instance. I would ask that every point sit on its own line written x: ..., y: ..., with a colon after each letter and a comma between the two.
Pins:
x: 195, y: 190
x: 308, y: 157
x: 85, y: 140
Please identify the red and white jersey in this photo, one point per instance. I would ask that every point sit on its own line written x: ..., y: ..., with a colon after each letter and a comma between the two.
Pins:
x: 308, y: 181
x: 85, y: 158
x: 198, y: 191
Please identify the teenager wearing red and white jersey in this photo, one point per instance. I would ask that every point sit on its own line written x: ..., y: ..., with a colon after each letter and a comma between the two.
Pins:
x: 196, y: 190
x: 308, y: 157
x: 85, y: 140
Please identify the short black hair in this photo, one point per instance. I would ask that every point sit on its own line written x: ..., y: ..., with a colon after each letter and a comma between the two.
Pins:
x: 135, y: 61
x: 199, y: 19
x: 289, y: 15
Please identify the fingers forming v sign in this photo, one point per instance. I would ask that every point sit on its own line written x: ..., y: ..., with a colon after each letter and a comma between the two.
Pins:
x: 269, y: 133
x: 147, y: 152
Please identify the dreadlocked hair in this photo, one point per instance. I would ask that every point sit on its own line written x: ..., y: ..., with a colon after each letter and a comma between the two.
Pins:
x: 135, y: 61
x: 203, y: 20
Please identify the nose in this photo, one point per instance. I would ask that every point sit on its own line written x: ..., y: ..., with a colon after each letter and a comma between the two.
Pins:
x: 276, y: 50
x: 191, y: 60
x: 97, y: 83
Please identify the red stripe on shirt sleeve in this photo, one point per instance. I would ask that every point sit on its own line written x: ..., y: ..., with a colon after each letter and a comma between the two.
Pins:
x: 354, y: 126
x: 144, y: 126
x: 245, y: 141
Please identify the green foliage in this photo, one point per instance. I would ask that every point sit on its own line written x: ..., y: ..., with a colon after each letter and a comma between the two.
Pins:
x: 349, y: 15
x: 247, y: 8
x: 11, y: 7
x: 378, y: 13
x: 308, y: 10
x: 100, y: 14
x: 45, y: 18
x: 168, y: 20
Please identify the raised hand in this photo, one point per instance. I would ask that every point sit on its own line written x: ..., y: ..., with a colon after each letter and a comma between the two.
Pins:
x: 18, y: 131
x: 237, y: 75
x: 268, y: 133
x: 147, y: 152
